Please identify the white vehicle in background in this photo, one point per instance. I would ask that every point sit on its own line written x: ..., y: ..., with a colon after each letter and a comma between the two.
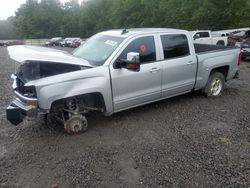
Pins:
x: 228, y: 31
x: 207, y: 37
x: 63, y: 43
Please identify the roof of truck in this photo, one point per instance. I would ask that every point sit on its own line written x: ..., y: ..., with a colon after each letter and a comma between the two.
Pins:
x: 135, y: 31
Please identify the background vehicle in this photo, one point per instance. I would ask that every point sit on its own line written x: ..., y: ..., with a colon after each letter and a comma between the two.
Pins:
x: 70, y: 41
x: 227, y: 32
x: 54, y: 41
x: 11, y: 42
x: 114, y: 71
x: 206, y: 37
x: 76, y: 43
x: 83, y: 41
x: 245, y: 49
x: 63, y: 43
x: 238, y: 36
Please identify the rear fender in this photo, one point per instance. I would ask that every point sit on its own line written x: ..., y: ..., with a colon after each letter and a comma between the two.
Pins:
x: 220, y: 59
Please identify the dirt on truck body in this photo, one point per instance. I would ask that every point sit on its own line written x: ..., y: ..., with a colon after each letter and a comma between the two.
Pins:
x: 186, y: 141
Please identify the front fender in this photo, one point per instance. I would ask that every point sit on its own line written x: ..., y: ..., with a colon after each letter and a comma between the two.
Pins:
x: 95, y: 80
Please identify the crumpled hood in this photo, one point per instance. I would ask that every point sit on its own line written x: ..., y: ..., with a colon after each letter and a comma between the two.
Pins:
x: 35, y: 53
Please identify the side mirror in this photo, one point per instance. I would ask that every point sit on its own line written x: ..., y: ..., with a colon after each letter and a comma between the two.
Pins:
x: 131, y: 63
x: 197, y: 36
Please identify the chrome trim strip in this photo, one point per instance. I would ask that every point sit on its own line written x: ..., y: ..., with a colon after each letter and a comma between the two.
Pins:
x: 21, y: 105
x: 23, y: 97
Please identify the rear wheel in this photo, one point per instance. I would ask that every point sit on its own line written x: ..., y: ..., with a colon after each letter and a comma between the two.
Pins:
x: 220, y: 43
x: 215, y: 85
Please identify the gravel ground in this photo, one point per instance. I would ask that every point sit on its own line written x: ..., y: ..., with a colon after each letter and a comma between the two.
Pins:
x: 186, y: 141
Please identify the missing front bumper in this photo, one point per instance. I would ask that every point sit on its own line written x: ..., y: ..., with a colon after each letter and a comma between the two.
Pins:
x: 14, y: 115
x: 21, y: 108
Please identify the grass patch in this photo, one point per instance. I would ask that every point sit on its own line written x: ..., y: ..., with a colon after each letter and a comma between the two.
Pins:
x: 225, y: 141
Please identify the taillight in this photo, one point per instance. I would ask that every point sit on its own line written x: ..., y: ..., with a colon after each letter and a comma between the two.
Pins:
x: 240, y: 58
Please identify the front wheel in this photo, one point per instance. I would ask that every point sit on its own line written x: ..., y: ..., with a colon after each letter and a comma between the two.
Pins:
x: 76, y: 124
x: 215, y: 85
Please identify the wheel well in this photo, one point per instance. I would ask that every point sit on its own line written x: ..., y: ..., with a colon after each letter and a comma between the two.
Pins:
x: 93, y: 100
x: 221, y: 42
x: 224, y: 70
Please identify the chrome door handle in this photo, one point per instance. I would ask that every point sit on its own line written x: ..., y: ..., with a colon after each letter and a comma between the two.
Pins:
x: 155, y: 69
x: 190, y: 63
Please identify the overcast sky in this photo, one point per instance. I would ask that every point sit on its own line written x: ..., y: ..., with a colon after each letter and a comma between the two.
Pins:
x: 8, y: 7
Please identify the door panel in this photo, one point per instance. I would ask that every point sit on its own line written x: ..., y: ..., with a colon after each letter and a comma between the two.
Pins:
x: 203, y: 41
x: 178, y: 75
x: 179, y: 65
x: 135, y: 88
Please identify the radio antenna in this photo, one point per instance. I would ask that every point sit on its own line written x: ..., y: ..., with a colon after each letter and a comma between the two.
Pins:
x: 124, y: 31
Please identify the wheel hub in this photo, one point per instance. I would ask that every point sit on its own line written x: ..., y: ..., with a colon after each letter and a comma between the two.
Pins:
x: 76, y: 124
x: 216, y: 87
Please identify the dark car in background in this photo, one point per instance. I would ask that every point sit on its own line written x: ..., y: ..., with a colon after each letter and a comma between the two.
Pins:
x: 245, y: 49
x: 238, y: 36
x: 54, y: 41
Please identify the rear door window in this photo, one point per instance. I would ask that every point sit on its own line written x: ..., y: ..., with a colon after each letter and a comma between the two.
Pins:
x: 175, y: 46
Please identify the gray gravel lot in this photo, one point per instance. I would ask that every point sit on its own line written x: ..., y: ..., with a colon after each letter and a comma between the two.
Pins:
x: 186, y: 141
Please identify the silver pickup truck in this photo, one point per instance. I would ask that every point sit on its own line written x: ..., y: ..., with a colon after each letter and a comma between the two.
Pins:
x: 114, y: 71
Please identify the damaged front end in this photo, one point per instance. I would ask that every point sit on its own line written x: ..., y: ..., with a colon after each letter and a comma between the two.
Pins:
x: 22, y: 106
x: 26, y: 103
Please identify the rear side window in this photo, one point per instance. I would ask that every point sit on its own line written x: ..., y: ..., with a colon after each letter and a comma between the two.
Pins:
x: 174, y: 46
x: 145, y: 46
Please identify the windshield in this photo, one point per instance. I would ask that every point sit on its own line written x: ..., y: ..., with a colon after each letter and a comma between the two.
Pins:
x: 97, y: 49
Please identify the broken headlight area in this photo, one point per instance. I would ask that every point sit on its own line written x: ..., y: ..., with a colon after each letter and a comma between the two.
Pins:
x: 33, y: 70
x: 27, y: 91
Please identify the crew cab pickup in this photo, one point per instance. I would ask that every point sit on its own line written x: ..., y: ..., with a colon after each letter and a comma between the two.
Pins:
x: 208, y: 37
x: 113, y: 71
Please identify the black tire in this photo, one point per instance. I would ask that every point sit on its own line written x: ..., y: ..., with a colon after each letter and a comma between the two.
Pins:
x: 47, y: 119
x: 220, y: 43
x: 215, y: 85
x: 43, y: 118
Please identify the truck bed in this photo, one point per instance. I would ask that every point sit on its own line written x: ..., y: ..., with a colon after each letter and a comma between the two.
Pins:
x: 212, y: 56
x: 203, y: 48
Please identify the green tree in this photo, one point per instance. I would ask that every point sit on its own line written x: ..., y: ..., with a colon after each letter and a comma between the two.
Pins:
x: 49, y: 18
x: 7, y: 30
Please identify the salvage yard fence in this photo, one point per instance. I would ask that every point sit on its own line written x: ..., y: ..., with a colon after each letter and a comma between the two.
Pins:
x: 36, y: 42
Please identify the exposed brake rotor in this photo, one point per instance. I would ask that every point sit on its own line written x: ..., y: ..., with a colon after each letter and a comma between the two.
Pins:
x: 75, y: 124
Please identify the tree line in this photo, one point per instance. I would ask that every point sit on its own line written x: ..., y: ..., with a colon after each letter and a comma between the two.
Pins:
x: 49, y: 18
x: 7, y: 29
